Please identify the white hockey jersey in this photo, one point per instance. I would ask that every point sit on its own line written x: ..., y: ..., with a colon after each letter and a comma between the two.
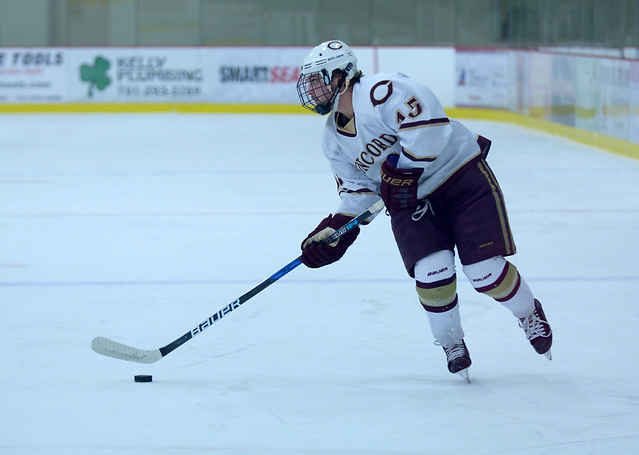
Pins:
x: 393, y: 114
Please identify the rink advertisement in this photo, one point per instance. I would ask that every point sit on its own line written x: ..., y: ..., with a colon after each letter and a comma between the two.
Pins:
x: 150, y: 75
x: 129, y: 75
x: 31, y: 75
x: 562, y: 89
x: 634, y: 101
x: 615, y: 98
x: 482, y: 79
x: 256, y: 75
x: 586, y: 93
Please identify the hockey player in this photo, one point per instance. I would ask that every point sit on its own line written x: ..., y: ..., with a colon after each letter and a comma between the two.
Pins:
x: 388, y: 136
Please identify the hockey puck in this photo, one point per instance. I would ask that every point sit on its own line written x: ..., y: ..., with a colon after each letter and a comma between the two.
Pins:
x: 143, y: 378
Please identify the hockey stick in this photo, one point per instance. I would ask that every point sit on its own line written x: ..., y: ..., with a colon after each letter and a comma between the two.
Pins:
x: 121, y: 351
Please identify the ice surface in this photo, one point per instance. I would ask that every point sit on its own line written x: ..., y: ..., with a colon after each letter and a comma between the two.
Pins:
x: 139, y: 227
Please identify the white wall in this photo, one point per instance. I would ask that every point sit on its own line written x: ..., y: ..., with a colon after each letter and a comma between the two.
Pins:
x: 434, y: 66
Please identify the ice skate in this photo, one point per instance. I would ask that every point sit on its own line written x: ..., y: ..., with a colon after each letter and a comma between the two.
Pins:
x: 538, y: 330
x: 458, y: 359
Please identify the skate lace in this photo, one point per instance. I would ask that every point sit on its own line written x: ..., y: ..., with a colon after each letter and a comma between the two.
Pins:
x: 453, y: 352
x: 533, y: 326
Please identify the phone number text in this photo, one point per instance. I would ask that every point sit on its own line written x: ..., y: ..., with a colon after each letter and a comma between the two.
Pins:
x: 159, y: 91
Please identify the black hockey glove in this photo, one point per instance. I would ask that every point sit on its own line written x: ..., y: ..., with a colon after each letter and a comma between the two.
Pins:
x: 399, y: 185
x: 316, y: 254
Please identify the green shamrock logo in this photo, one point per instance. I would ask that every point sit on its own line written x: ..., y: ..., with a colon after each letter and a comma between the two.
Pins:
x: 96, y: 75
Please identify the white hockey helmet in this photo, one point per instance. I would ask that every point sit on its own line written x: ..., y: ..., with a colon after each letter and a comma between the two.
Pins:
x: 320, y: 63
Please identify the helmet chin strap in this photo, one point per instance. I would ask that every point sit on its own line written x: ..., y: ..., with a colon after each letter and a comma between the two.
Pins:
x: 343, y: 83
x: 339, y: 92
x: 325, y: 108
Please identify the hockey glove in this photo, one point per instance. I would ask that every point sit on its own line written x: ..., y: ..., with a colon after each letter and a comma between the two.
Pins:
x: 399, y: 185
x: 316, y: 254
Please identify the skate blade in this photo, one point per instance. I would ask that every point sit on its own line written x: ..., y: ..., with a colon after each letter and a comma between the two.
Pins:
x: 548, y: 355
x: 464, y: 374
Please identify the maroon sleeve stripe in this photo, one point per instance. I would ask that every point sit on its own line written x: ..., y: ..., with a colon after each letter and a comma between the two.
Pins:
x: 413, y: 157
x: 423, y: 123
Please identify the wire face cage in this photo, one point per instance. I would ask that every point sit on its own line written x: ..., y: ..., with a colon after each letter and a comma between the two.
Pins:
x: 315, y: 93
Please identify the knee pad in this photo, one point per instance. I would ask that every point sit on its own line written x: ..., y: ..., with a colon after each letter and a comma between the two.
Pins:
x: 495, y: 277
x: 436, y: 281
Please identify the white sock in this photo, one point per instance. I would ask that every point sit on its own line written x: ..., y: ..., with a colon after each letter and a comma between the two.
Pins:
x: 499, y: 279
x: 446, y: 327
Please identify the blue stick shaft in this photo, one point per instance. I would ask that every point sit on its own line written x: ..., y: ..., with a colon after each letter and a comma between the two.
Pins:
x: 266, y: 283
